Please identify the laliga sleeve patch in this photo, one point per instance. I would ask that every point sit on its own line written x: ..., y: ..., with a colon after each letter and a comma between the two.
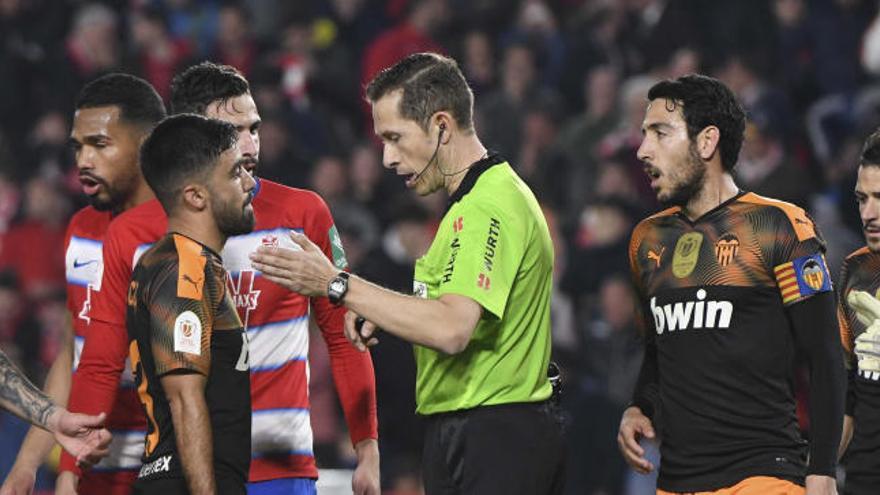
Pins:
x: 188, y: 333
x: 336, y: 248
x: 802, y: 278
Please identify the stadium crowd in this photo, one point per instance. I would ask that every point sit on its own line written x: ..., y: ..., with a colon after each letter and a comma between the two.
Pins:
x: 560, y: 90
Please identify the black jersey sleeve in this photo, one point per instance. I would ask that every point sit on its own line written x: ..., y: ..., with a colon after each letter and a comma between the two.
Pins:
x: 815, y: 329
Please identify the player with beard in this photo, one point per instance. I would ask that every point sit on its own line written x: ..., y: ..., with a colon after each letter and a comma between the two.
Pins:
x: 276, y: 319
x: 114, y: 114
x: 188, y: 347
x: 859, y: 314
x: 731, y: 284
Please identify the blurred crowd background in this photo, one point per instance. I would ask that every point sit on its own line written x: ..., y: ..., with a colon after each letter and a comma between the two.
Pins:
x: 560, y: 91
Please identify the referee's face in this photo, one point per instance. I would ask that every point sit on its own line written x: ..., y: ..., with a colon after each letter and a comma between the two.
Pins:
x: 406, y: 148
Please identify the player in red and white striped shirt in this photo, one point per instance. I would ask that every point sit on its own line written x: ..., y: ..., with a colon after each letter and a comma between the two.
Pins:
x: 114, y: 113
x: 276, y: 319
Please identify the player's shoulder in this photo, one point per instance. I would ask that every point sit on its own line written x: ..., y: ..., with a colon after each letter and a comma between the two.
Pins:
x: 861, y: 257
x: 90, y: 215
x: 177, y: 253
x: 654, y: 221
x: 145, y: 213
x: 89, y: 222
x: 781, y: 212
x: 280, y: 193
x: 858, y: 253
x: 145, y: 222
x: 274, y: 196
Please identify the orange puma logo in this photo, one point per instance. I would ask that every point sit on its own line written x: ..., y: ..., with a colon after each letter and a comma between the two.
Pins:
x: 652, y: 255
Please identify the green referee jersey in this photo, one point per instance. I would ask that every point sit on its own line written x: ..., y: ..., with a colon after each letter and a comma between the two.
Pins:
x: 492, y: 246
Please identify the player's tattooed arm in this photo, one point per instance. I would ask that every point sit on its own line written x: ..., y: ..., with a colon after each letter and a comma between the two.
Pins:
x: 20, y: 397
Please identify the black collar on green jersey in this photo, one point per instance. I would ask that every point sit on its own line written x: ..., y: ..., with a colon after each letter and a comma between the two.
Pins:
x: 474, y: 173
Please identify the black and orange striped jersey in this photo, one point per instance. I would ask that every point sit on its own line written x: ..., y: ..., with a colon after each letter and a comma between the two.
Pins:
x: 714, y: 294
x: 860, y: 271
x: 181, y: 318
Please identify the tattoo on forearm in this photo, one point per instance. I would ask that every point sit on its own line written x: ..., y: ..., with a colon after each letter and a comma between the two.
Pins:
x: 20, y: 396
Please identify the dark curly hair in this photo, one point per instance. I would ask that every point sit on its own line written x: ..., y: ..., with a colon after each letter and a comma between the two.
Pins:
x: 138, y: 101
x: 706, y: 101
x: 200, y: 85
x: 431, y: 83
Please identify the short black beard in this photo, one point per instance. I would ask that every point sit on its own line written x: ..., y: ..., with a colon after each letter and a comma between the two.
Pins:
x: 232, y: 224
x: 113, y: 203
x: 694, y: 181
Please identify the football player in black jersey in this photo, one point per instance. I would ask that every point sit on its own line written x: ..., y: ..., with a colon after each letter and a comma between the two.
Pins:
x: 731, y: 284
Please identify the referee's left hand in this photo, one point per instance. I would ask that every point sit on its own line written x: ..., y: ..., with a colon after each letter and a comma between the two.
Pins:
x: 359, y: 331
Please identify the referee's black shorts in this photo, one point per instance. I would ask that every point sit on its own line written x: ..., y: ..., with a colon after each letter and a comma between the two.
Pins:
x: 506, y: 449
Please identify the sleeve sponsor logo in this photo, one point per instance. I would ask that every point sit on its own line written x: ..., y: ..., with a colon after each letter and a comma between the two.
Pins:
x: 450, y: 265
x: 491, y: 244
x: 802, y: 277
x: 188, y: 333
x: 336, y: 248
x: 483, y: 281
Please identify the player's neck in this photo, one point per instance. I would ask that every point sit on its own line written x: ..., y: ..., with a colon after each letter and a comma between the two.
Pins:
x: 717, y: 189
x: 199, y: 230
x: 140, y: 195
x: 463, y: 155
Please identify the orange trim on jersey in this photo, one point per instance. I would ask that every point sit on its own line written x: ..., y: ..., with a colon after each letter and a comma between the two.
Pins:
x: 152, y: 440
x: 858, y: 252
x: 755, y: 485
x: 190, y: 268
x: 846, y: 335
x: 800, y: 222
x: 665, y: 213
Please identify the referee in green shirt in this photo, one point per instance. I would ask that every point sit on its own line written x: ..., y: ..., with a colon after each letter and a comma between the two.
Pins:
x: 480, y: 313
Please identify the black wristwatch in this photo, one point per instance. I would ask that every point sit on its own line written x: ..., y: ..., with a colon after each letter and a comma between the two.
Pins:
x: 337, y: 288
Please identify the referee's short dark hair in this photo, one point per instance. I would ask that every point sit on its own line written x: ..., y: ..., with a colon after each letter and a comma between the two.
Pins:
x: 431, y: 83
x: 139, y: 103
x: 180, y: 149
x: 200, y: 85
x: 706, y: 101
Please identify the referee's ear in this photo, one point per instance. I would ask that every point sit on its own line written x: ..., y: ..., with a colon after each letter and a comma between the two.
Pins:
x: 444, y: 126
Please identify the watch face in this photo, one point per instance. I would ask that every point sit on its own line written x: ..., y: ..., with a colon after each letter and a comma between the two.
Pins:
x: 337, y: 285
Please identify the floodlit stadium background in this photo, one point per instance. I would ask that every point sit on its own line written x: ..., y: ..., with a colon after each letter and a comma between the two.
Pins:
x: 560, y: 91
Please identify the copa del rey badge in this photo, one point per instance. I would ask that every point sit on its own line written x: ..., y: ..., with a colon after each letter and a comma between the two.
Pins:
x: 188, y: 333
